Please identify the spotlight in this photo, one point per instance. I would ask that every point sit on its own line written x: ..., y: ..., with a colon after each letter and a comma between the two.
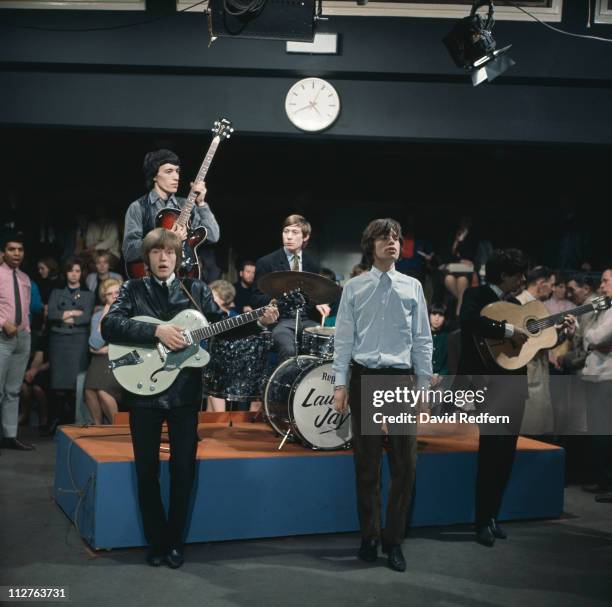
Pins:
x: 472, y: 46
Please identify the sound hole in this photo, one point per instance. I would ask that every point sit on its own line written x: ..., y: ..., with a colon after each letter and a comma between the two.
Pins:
x: 532, y: 325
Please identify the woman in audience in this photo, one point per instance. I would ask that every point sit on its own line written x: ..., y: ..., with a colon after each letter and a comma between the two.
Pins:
x: 460, y: 261
x: 49, y: 272
x: 70, y: 311
x: 223, y: 294
x: 439, y: 334
x: 102, y: 392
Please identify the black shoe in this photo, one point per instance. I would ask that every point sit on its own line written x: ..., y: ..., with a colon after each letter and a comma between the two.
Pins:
x: 368, y: 551
x: 174, y: 558
x: 395, y: 557
x: 496, y: 530
x: 594, y: 488
x: 484, y: 535
x: 15, y: 443
x: 604, y: 498
x: 155, y: 558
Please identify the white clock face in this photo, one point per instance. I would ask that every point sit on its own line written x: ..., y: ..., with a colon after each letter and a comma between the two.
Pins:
x: 312, y: 104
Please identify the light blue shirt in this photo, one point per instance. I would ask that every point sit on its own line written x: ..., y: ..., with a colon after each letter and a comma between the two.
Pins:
x: 383, y: 322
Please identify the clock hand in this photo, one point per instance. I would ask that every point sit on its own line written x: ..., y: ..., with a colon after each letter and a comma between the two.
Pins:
x: 302, y: 108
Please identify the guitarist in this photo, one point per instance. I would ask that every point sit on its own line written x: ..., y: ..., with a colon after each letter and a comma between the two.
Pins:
x: 162, y: 172
x: 505, y: 271
x: 162, y: 295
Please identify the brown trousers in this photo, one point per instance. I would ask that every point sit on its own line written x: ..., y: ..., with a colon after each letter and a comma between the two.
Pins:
x: 402, y: 452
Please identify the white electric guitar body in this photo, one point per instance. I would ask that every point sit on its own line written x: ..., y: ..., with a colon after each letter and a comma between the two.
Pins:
x: 150, y: 370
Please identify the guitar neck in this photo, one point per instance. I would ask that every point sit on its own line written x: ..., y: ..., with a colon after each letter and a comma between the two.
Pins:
x: 201, y: 176
x: 555, y: 319
x: 225, y: 325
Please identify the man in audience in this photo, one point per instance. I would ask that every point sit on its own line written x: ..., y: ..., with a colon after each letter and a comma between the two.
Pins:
x: 597, y: 374
x: 95, y: 279
x: 538, y: 417
x: 244, y: 287
x: 15, y: 294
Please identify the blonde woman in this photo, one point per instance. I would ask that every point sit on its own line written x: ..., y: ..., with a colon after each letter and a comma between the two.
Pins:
x: 101, y: 388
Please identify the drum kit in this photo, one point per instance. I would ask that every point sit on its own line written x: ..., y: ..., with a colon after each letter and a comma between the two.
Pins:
x: 298, y: 395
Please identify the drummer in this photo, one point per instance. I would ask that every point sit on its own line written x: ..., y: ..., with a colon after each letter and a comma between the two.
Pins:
x: 291, y: 256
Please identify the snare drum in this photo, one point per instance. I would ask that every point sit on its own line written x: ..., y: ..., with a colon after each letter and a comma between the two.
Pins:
x: 299, y: 399
x: 318, y: 341
x: 237, y: 368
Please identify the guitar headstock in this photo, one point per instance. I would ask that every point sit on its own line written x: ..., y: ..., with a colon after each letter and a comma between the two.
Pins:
x: 293, y: 300
x: 223, y: 128
x: 601, y: 303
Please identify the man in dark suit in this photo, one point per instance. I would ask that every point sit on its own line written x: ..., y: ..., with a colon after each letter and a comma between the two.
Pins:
x: 291, y: 256
x: 505, y: 394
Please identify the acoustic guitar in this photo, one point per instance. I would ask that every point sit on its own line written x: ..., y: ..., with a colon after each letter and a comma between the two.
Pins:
x: 534, y: 318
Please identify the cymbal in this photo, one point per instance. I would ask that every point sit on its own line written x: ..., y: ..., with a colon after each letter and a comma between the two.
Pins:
x: 318, y: 288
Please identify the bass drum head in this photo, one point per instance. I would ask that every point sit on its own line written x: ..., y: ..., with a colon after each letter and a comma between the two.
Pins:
x: 278, y: 391
x: 312, y: 409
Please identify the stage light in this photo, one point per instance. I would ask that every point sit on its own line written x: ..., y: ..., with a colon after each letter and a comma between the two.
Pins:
x: 472, y: 46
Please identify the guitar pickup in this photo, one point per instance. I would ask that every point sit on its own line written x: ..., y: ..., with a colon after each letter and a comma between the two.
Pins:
x: 131, y: 358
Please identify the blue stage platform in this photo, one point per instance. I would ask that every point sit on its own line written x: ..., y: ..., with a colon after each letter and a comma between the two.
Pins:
x: 245, y: 488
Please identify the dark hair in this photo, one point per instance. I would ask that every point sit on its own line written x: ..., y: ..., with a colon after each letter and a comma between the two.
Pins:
x: 358, y: 269
x: 537, y: 273
x: 246, y: 262
x: 504, y: 261
x: 51, y: 264
x: 152, y: 162
x: 160, y: 238
x: 583, y: 279
x: 376, y: 229
x: 438, y: 308
x: 69, y: 263
x: 12, y: 237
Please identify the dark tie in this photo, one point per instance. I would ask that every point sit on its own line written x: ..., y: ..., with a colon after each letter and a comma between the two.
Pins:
x: 164, y: 287
x: 17, y: 299
x: 295, y: 264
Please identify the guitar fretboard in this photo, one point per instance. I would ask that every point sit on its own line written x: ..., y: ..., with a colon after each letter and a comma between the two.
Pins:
x: 191, y: 199
x: 554, y: 319
x: 227, y: 324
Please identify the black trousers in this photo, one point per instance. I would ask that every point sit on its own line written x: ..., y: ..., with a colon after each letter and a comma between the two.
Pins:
x: 497, y: 446
x: 283, y: 335
x: 402, y: 452
x: 146, y: 428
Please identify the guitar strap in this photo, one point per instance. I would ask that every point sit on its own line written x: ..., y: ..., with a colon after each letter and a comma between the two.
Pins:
x: 193, y: 301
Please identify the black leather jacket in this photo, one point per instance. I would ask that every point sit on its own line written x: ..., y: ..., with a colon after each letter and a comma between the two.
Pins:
x: 136, y: 298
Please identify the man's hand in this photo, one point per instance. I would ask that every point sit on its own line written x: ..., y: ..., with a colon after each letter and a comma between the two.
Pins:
x: 10, y: 329
x: 519, y: 338
x: 324, y: 310
x: 569, y: 324
x: 180, y: 231
x: 171, y: 336
x: 340, y: 399
x: 247, y: 309
x: 200, y: 188
x: 270, y: 316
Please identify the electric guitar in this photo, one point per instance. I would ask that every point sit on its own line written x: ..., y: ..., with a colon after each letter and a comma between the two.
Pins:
x: 533, y: 317
x: 149, y: 370
x: 168, y: 217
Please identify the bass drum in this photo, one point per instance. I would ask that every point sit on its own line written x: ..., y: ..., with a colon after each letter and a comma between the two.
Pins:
x: 237, y: 368
x: 299, y: 399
